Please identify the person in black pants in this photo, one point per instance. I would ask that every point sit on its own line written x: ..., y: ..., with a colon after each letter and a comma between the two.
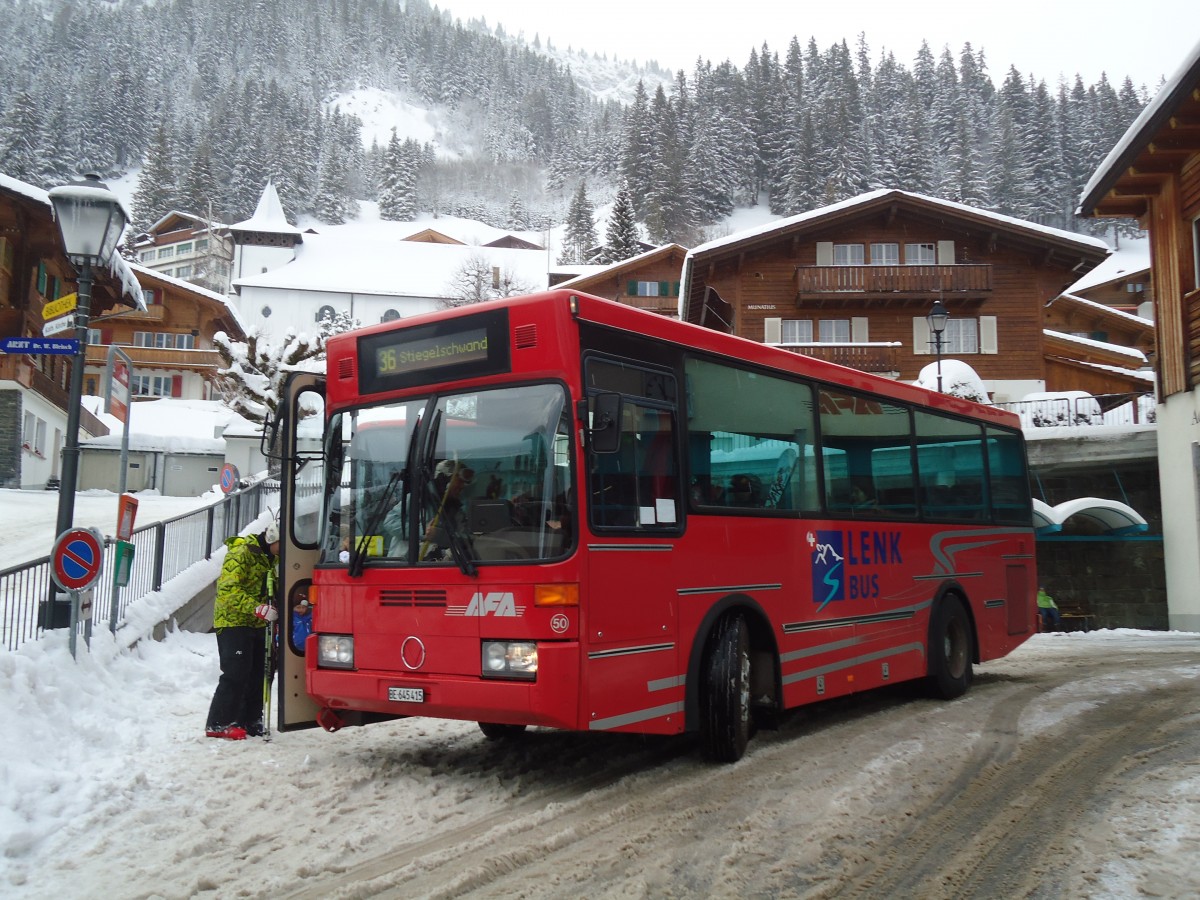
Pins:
x: 242, y: 610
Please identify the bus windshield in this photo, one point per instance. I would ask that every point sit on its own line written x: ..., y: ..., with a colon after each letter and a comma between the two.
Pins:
x: 453, y: 479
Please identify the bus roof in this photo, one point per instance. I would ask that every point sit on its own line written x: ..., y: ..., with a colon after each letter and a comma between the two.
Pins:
x: 617, y: 315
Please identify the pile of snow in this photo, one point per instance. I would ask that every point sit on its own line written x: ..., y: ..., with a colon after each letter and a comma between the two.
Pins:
x: 957, y: 379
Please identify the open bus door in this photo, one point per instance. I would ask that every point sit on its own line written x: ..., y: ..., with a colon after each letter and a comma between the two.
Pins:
x: 297, y: 441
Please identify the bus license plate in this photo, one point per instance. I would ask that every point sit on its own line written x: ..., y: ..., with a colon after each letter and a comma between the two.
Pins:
x: 406, y: 695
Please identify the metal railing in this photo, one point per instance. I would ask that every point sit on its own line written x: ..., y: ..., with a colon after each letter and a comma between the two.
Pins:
x: 1101, y: 409
x: 162, y: 551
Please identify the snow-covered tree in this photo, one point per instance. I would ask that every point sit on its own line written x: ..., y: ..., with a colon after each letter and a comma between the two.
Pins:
x: 581, y: 227
x: 621, y: 237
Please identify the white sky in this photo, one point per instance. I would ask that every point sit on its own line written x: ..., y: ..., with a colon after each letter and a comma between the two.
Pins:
x: 1146, y: 40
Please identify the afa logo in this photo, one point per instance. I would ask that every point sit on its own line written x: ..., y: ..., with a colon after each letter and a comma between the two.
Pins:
x: 828, y: 567
x: 501, y: 604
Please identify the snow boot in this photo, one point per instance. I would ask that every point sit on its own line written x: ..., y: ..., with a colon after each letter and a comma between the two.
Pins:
x: 228, y: 733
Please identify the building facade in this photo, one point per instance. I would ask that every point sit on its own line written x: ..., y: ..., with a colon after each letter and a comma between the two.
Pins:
x: 1153, y: 175
x: 853, y: 283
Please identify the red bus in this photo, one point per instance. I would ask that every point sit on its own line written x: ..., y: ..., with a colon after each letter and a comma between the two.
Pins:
x: 559, y: 511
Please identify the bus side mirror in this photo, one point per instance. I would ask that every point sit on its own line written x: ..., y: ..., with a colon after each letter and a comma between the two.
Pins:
x: 605, y: 433
x: 268, y: 445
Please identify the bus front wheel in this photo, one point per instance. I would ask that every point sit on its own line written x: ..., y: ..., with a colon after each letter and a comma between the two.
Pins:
x: 725, y: 706
x: 950, y: 650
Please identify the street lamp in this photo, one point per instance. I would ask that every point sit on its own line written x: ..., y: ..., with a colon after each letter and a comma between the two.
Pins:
x: 937, y: 324
x: 91, y: 220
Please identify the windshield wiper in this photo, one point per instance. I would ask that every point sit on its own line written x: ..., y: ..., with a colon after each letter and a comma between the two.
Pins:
x: 378, y: 512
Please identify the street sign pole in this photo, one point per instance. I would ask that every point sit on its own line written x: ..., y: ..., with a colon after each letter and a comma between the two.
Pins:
x: 119, y: 402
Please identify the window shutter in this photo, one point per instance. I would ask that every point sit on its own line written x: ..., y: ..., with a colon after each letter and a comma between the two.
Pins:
x: 106, y: 336
x: 945, y: 252
x: 772, y: 331
x: 675, y: 289
x: 176, y: 385
x: 663, y: 287
x: 988, y: 340
x: 631, y: 289
x: 921, y: 336
x: 41, y: 279
x: 824, y: 253
x: 859, y: 329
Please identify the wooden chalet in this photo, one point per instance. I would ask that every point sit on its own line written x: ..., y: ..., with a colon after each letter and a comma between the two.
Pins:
x: 170, y: 343
x: 1153, y: 175
x: 853, y: 282
x: 648, y: 281
x: 35, y: 387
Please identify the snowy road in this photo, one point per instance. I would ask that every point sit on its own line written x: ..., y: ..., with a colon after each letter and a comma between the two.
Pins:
x: 1070, y: 769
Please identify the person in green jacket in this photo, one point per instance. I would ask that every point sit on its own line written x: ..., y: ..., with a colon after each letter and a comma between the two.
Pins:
x: 1047, y: 609
x: 243, y: 609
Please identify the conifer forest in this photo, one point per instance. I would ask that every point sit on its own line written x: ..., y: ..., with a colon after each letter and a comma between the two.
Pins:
x: 210, y: 98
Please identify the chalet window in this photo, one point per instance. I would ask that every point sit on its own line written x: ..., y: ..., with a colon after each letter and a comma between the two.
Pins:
x: 151, y: 385
x: 920, y: 255
x: 885, y: 254
x: 39, y: 438
x: 28, y: 430
x: 143, y: 339
x: 185, y: 342
x: 181, y: 249
x: 649, y: 289
x: 183, y: 272
x: 94, y: 337
x: 166, y: 252
x: 797, y: 331
x: 326, y: 312
x: 148, y: 255
x: 848, y: 255
x: 201, y: 244
x: 390, y: 315
x: 150, y: 298
x: 961, y: 336
x: 833, y: 331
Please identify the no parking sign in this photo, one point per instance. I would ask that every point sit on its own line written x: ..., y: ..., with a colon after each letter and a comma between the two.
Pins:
x: 76, y: 559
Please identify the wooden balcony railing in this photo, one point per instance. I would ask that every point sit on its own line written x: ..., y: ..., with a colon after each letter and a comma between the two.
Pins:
x: 893, y: 279
x: 157, y: 357
x: 1191, y: 318
x: 880, y: 358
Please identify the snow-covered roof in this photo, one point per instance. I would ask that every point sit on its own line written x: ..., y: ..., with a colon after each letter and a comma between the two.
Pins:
x: 632, y: 263
x: 1137, y: 355
x: 167, y: 424
x: 374, y: 259
x: 1131, y: 257
x: 1171, y: 94
x: 871, y: 196
x: 1107, y: 310
x: 268, y: 216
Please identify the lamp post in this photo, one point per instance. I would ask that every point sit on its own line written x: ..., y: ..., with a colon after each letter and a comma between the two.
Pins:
x: 91, y: 220
x: 937, y: 324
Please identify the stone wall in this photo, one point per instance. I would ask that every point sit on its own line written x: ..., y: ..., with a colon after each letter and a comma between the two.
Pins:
x: 11, y: 423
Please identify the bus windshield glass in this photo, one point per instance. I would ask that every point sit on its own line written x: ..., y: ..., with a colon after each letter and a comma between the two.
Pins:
x: 453, y: 479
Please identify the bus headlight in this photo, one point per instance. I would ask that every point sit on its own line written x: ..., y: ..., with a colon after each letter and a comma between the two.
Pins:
x: 335, y: 651
x: 510, y: 659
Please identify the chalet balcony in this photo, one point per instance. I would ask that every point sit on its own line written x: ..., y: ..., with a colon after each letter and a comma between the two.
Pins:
x: 892, y: 282
x: 879, y: 358
x: 157, y: 357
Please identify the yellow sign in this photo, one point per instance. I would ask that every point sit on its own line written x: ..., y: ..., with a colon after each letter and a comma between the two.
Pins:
x: 59, y: 307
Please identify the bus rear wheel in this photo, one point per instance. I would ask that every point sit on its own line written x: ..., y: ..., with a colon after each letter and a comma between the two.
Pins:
x: 494, y: 731
x: 950, y: 650
x: 725, y: 724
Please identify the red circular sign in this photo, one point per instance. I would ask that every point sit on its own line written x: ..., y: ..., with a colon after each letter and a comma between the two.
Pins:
x: 77, y: 558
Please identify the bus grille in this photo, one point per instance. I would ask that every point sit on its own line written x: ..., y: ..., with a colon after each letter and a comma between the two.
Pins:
x: 412, y: 597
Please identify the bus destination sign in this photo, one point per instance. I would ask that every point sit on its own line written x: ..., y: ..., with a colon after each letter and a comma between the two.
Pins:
x: 457, y: 348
